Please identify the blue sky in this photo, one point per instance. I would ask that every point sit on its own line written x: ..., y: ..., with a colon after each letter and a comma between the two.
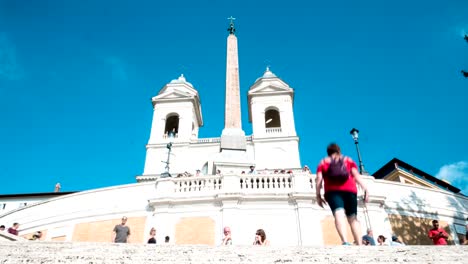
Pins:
x: 76, y: 78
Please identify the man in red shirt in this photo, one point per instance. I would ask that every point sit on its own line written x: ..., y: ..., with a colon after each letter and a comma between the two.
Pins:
x: 437, y: 234
x: 14, y: 229
x: 341, y: 195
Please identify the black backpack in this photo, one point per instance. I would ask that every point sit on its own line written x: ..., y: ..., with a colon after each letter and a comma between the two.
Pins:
x: 337, y: 171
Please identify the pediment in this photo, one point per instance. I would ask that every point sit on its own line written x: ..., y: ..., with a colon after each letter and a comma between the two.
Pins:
x: 270, y: 89
x: 174, y: 94
x: 408, y: 178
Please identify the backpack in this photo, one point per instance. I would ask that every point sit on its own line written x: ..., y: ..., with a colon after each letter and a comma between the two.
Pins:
x: 337, y: 171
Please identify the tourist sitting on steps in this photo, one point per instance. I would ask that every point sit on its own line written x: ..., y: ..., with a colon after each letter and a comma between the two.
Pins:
x: 396, y: 242
x: 260, y: 238
x: 369, y: 237
x: 381, y: 240
x: 227, y: 240
x: 152, y: 239
x: 36, y: 236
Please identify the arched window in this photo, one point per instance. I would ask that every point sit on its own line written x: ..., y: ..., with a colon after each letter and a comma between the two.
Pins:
x: 172, y: 124
x: 272, y: 118
x: 204, y: 169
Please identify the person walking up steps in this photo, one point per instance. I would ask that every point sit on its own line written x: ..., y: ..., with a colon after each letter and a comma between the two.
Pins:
x: 340, y: 175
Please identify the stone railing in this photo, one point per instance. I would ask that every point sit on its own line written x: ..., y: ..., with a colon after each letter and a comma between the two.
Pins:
x: 266, y: 183
x: 273, y: 130
x: 197, y: 184
x: 166, y: 136
x: 209, y: 140
x: 235, y: 183
x: 216, y: 140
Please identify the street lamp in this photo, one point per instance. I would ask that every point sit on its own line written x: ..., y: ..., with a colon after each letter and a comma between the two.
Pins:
x: 465, y: 73
x: 355, y: 134
x: 166, y: 173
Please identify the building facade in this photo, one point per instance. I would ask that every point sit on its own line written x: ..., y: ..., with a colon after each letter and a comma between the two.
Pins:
x: 278, y: 197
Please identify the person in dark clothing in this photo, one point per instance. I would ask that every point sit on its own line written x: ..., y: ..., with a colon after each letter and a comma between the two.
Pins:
x: 152, y: 239
x: 121, y: 232
x: 14, y: 229
x: 369, y: 237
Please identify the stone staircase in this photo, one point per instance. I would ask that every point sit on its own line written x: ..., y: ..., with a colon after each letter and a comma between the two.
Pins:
x: 93, y: 253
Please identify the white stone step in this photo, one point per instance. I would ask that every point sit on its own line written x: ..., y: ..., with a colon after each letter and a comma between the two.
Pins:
x: 65, y: 252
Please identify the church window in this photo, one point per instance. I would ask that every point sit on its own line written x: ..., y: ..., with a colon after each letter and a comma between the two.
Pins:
x: 172, y: 125
x: 272, y: 118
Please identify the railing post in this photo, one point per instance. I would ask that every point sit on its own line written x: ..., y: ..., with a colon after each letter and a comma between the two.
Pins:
x: 230, y: 183
x: 301, y: 183
x: 165, y: 187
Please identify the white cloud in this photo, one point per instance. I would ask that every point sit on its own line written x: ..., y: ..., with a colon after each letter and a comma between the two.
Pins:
x: 462, y: 32
x: 457, y: 174
x: 117, y: 68
x: 9, y: 67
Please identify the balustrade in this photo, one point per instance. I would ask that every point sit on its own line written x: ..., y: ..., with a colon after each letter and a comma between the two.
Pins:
x: 217, y: 140
x: 266, y: 183
x: 166, y: 136
x: 197, y: 184
x: 273, y: 130
x: 208, y: 140
x: 245, y: 183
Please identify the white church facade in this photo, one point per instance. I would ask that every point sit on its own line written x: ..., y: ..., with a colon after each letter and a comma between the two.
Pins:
x: 194, y: 209
x: 177, y: 119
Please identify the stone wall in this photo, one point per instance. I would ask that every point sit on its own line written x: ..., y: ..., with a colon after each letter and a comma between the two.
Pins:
x: 414, y: 230
x: 191, y: 213
x: 101, y: 231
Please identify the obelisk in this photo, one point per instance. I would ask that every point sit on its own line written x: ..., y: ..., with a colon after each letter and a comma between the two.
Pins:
x: 232, y: 137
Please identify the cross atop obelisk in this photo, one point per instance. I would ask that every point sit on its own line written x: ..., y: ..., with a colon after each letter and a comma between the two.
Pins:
x: 232, y: 29
x: 233, y: 137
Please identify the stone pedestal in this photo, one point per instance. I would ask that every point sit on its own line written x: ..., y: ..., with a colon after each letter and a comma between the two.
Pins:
x: 233, y: 139
x: 232, y: 161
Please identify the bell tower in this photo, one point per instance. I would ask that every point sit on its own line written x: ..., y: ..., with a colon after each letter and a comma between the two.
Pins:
x: 177, y: 118
x: 271, y: 113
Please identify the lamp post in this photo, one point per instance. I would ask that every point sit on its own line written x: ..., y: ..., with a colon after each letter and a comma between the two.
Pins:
x: 166, y: 173
x: 355, y: 134
x: 465, y: 73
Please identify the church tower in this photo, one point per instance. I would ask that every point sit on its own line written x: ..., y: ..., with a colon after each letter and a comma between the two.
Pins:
x: 271, y: 113
x: 177, y: 118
